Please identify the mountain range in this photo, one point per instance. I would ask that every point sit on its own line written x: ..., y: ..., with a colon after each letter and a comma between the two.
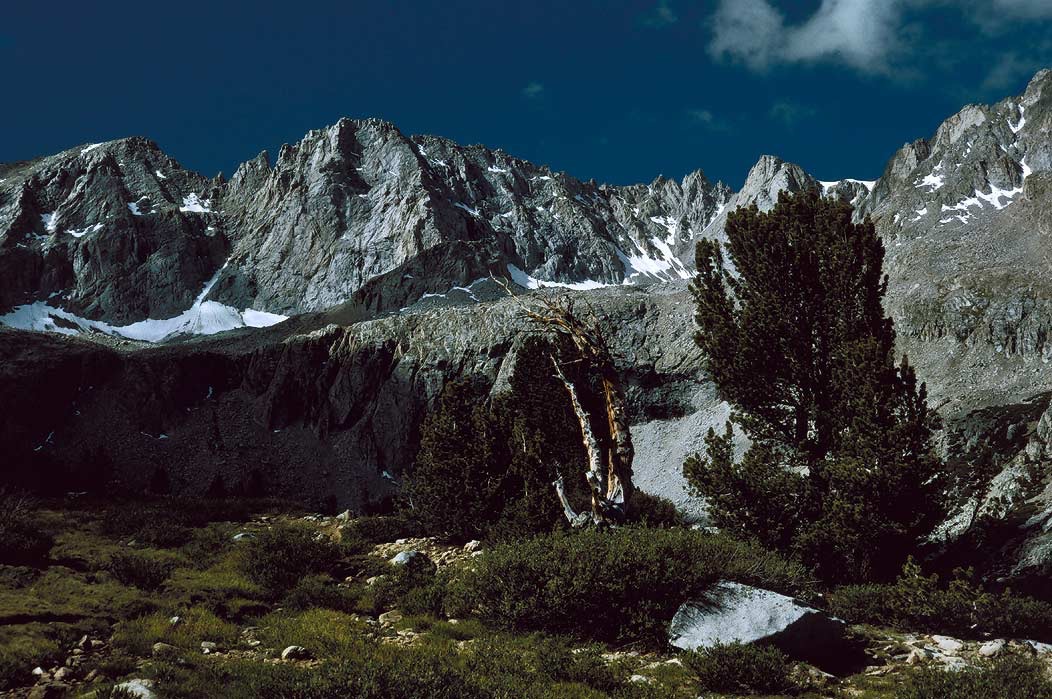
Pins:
x: 292, y: 325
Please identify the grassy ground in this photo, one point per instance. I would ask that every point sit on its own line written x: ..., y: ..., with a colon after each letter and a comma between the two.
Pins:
x: 122, y: 578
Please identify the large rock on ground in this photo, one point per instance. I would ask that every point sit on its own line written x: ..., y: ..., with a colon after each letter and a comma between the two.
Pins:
x: 732, y: 612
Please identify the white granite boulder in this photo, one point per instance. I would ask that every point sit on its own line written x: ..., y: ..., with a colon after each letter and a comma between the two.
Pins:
x: 732, y: 612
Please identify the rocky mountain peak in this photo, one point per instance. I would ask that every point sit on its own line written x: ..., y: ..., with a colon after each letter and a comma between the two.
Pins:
x: 769, y: 176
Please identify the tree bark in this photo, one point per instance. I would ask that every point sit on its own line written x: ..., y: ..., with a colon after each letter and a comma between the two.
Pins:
x: 609, y: 454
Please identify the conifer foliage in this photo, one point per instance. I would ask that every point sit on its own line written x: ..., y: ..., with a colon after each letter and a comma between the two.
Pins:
x: 792, y: 328
x: 486, y: 463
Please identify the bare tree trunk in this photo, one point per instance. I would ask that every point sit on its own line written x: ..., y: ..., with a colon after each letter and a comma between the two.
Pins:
x: 609, y: 468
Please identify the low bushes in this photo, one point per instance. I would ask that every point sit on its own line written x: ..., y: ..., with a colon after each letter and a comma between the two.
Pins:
x: 620, y: 585
x: 137, y: 636
x: 324, y: 632
x: 222, y: 589
x: 917, y: 603
x: 495, y: 668
x: 22, y: 542
x: 379, y: 529
x: 1013, y: 677
x: 144, y: 570
x: 653, y: 511
x: 740, y: 669
x: 279, y: 557
x: 321, y: 592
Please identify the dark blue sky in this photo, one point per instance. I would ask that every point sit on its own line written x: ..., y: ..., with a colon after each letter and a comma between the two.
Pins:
x: 616, y: 91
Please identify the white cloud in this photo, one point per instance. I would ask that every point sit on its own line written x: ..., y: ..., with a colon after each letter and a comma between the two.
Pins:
x: 860, y: 33
x: 1025, y: 8
x: 1010, y: 70
x: 791, y: 113
x: 533, y: 91
x: 661, y: 16
x: 702, y: 116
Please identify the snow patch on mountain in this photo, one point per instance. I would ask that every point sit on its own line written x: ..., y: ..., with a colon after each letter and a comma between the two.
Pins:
x: 195, y: 204
x: 50, y: 221
x: 527, y: 282
x: 1016, y: 128
x: 84, y: 231
x: 202, y: 318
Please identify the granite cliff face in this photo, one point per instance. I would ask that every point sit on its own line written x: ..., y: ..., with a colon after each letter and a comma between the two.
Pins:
x: 118, y: 232
x: 381, y: 247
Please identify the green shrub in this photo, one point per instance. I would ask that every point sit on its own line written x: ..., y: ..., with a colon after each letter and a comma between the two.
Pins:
x: 653, y: 511
x: 499, y: 668
x: 413, y: 587
x: 619, y: 585
x: 380, y: 529
x: 486, y: 464
x: 281, y: 555
x: 22, y: 542
x: 209, y: 544
x: 1013, y: 677
x: 918, y: 603
x: 140, y: 569
x: 137, y: 636
x: 115, y: 692
x: 19, y: 656
x: 740, y: 669
x: 322, y: 592
x: 324, y: 632
x: 222, y: 589
x: 163, y: 534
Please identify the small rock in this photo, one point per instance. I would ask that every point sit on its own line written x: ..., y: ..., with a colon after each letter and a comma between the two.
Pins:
x: 244, y: 536
x: 947, y: 644
x: 475, y: 554
x: 55, y: 690
x: 295, y: 653
x: 375, y: 579
x: 38, y: 671
x: 96, y: 644
x: 143, y: 689
x: 175, y: 620
x: 164, y: 650
x: 917, y: 656
x: 63, y: 674
x: 344, y: 516
x: 953, y: 663
x: 208, y: 647
x: 254, y: 643
x: 473, y: 546
x: 91, y: 676
x: 78, y: 651
x: 392, y: 617
x: 641, y: 679
x: 1040, y: 648
x: 992, y: 649
x: 84, y: 643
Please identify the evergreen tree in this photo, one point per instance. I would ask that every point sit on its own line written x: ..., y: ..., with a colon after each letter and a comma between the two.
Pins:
x: 793, y: 332
x: 486, y: 465
x: 456, y: 484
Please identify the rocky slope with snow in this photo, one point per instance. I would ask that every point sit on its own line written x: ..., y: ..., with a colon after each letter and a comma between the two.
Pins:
x: 387, y: 243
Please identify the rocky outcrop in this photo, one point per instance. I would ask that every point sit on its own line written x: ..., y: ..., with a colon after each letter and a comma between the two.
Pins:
x: 311, y: 409
x: 735, y: 613
x: 118, y: 231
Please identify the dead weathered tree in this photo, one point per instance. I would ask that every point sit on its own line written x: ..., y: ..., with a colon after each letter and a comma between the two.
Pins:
x: 609, y: 469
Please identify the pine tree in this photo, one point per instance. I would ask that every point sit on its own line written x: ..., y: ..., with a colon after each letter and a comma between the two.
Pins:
x: 793, y: 332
